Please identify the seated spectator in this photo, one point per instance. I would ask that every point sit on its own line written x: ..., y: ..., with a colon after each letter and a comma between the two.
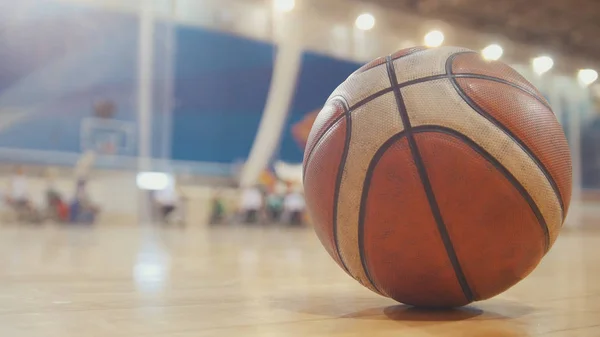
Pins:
x: 217, y: 214
x: 18, y: 198
x: 82, y: 209
x: 18, y: 194
x: 167, y: 201
x: 56, y: 208
x: 251, y: 204
x: 274, y: 206
x: 294, y: 206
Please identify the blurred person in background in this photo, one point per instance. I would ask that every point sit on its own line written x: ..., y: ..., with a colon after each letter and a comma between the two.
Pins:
x: 82, y: 209
x: 18, y: 190
x: 18, y: 197
x: 217, y: 212
x: 274, y: 202
x: 251, y: 204
x: 294, y: 206
x: 56, y: 208
x: 169, y: 202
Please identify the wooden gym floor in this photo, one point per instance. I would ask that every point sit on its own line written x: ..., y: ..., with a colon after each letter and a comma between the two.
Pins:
x: 237, y: 281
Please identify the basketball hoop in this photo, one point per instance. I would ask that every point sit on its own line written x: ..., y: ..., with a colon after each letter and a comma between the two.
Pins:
x: 104, y: 109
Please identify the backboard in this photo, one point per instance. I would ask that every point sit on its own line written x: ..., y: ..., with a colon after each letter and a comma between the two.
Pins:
x: 107, y: 136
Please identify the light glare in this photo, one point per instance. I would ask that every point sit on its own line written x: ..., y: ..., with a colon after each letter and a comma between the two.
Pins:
x: 153, y: 181
x: 492, y: 52
x: 284, y: 6
x: 542, y: 64
x: 587, y: 76
x: 365, y: 21
x: 434, y: 38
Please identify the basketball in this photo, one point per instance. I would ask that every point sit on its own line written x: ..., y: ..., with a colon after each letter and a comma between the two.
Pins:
x: 291, y: 167
x: 437, y: 178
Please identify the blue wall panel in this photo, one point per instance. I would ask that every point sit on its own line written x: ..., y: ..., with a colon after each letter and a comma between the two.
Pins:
x: 55, y: 61
x: 221, y: 87
x: 319, y: 76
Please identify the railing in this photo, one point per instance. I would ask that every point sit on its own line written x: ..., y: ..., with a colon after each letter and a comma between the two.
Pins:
x: 114, y: 162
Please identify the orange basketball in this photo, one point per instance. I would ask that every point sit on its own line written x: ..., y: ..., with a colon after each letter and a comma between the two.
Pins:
x: 437, y: 178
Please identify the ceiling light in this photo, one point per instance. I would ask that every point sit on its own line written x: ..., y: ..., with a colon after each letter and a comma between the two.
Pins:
x: 492, y: 52
x: 434, y: 38
x: 587, y: 76
x: 542, y: 64
x: 365, y: 21
x: 284, y: 6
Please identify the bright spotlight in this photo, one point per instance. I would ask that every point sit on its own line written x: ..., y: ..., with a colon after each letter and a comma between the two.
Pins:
x: 365, y: 21
x: 153, y: 181
x: 434, y: 38
x: 492, y: 52
x: 542, y: 64
x: 284, y: 6
x: 587, y: 76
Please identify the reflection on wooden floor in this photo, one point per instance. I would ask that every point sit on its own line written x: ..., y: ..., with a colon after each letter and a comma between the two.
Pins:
x: 236, y: 281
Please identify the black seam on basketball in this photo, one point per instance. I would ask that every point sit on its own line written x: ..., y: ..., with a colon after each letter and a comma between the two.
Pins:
x: 363, y: 102
x: 491, y: 78
x: 399, y: 101
x: 327, y: 131
x: 338, y: 182
x: 433, y: 78
x: 498, y: 166
x: 502, y: 127
x: 441, y: 76
x: 363, y: 203
x: 433, y: 205
x: 411, y: 82
x: 414, y: 50
x: 418, y: 80
x: 343, y: 101
x: 499, y: 80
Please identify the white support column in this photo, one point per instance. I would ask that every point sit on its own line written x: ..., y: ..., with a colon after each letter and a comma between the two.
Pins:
x: 167, y: 108
x: 144, y: 91
x: 144, y: 100
x: 281, y: 92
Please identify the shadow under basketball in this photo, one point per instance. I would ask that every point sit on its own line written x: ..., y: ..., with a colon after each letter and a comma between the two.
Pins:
x: 403, y: 312
x: 494, y: 318
x: 371, y: 308
x: 487, y: 320
x: 488, y: 310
